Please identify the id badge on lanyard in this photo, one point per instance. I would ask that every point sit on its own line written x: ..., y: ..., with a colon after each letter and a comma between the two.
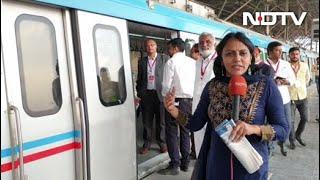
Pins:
x: 150, y: 78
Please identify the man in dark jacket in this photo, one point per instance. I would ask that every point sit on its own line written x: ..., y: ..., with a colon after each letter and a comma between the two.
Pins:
x: 149, y: 87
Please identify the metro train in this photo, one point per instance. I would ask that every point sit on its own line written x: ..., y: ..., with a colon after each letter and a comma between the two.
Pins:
x: 57, y: 122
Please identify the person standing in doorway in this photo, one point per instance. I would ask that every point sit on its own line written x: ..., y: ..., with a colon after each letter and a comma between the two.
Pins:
x: 149, y: 87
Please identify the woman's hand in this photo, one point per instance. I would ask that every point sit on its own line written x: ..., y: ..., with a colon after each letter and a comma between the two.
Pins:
x: 169, y: 103
x: 242, y: 129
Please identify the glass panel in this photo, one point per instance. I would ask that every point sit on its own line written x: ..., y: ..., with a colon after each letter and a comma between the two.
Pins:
x: 38, y: 65
x: 110, y: 70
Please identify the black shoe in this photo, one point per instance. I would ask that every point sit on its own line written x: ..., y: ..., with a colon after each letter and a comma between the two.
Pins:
x: 283, y: 152
x: 292, y: 145
x: 184, y: 168
x: 170, y: 171
x: 300, y: 141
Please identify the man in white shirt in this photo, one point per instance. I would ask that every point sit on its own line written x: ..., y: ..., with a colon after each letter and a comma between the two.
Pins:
x: 284, y: 77
x: 179, y: 73
x: 204, y: 73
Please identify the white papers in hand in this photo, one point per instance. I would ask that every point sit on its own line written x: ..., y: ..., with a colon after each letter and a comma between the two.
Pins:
x: 243, y: 150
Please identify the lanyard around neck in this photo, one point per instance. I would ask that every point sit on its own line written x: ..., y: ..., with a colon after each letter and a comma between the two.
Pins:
x: 151, y: 65
x: 202, y: 71
x: 295, y: 70
x: 275, y: 70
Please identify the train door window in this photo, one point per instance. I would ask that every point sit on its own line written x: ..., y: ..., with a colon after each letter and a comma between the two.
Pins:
x: 110, y: 70
x: 36, y: 46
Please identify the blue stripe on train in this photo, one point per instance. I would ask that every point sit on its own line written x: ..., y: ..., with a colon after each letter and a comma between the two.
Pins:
x: 42, y: 142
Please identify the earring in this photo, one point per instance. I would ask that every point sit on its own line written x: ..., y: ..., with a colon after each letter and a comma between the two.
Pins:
x: 224, y: 71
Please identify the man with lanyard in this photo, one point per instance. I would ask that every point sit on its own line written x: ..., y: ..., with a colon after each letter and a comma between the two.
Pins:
x: 149, y: 87
x: 284, y: 77
x: 204, y: 73
x: 298, y: 93
x: 178, y: 76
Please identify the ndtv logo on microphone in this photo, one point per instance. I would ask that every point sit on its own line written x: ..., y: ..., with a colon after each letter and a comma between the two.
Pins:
x: 261, y: 18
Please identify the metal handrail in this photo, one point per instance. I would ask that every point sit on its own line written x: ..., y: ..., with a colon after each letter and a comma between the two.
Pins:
x: 20, y: 142
x: 83, y: 135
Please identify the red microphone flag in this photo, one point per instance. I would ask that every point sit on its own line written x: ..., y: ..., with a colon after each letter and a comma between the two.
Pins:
x: 237, y: 86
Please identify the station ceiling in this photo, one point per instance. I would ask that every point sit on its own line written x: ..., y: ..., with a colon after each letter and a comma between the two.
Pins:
x: 232, y: 10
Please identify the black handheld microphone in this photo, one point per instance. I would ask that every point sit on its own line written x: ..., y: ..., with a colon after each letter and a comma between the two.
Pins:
x: 237, y: 87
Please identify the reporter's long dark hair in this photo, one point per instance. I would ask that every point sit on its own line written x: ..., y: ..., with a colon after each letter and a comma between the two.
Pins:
x: 218, y: 69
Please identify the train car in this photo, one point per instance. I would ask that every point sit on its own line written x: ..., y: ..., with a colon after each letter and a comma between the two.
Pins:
x: 60, y: 119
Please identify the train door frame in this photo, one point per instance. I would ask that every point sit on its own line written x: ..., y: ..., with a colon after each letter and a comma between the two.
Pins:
x: 138, y: 33
x: 7, y: 130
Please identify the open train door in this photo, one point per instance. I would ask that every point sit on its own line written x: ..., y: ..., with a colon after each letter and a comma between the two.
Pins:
x: 106, y: 89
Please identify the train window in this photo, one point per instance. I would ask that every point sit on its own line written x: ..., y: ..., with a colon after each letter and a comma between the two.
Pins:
x: 36, y: 46
x: 110, y: 70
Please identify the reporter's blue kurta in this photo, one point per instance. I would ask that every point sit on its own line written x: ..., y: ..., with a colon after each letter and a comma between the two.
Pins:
x: 262, y: 105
